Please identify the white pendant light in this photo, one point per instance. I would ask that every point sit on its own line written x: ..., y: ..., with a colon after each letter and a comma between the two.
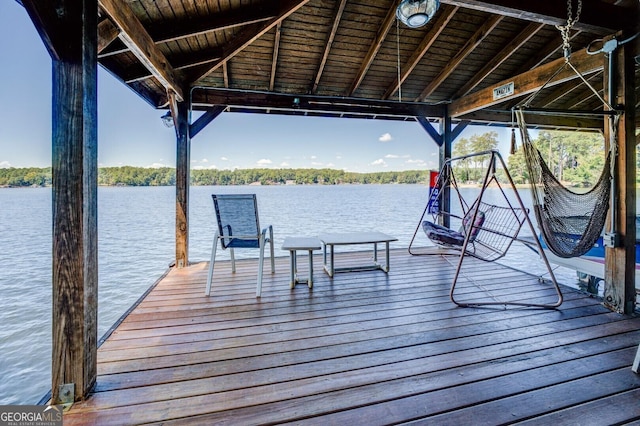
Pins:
x: 416, y: 13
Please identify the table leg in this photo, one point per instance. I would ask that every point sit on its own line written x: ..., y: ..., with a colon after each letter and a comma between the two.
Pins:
x: 387, y: 256
x: 292, y: 254
x: 332, y: 264
x: 310, y: 282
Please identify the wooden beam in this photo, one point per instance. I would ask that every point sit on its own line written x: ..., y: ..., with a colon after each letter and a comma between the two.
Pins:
x: 248, y: 35
x: 500, y: 117
x: 355, y: 106
x: 339, y: 10
x: 433, y: 133
x: 183, y: 159
x: 469, y: 46
x: 180, y: 61
x: 274, y: 60
x: 443, y: 18
x: 107, y: 32
x: 596, y: 17
x: 55, y: 26
x: 505, y: 52
x: 620, y: 261
x: 69, y: 30
x: 206, y: 118
x: 198, y: 25
x: 528, y: 82
x: 385, y: 26
x: 141, y: 44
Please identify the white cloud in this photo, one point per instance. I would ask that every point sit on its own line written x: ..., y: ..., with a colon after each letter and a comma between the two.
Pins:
x: 338, y: 157
x: 224, y: 158
x: 379, y: 162
x: 385, y: 138
x: 157, y: 165
x: 313, y: 157
x: 284, y: 164
x: 264, y: 161
x: 316, y: 163
x: 204, y: 160
x: 4, y: 164
x: 330, y: 165
x: 417, y: 161
x: 391, y: 156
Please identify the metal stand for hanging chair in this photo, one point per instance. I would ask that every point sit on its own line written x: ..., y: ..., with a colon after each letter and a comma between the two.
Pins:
x: 488, y: 230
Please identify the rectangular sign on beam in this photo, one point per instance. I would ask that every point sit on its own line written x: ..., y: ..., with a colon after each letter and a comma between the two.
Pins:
x: 503, y: 91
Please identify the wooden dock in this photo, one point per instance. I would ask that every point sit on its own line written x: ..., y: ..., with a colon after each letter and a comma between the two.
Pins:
x: 364, y: 348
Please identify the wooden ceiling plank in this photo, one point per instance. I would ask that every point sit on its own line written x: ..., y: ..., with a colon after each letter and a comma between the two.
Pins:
x: 528, y: 82
x: 107, y: 32
x: 469, y: 46
x: 508, y: 50
x: 596, y: 17
x: 385, y: 27
x: 274, y: 61
x: 443, y: 18
x: 141, y: 44
x: 327, y: 48
x: 562, y: 92
x: 498, y: 118
x: 250, y: 34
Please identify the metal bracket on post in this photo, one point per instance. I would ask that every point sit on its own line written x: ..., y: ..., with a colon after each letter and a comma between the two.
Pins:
x: 611, y: 239
x: 66, y: 395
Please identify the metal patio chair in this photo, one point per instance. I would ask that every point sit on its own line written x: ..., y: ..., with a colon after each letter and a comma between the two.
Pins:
x: 239, y: 227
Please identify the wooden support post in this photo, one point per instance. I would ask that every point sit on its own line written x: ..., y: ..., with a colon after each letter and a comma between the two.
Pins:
x: 69, y: 31
x: 183, y: 158
x: 619, y: 292
x: 445, y: 153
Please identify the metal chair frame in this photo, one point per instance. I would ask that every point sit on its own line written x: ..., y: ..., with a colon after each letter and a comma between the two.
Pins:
x: 257, y: 238
x: 494, y: 237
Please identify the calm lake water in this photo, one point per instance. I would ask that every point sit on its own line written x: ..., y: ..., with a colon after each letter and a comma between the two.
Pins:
x: 136, y: 245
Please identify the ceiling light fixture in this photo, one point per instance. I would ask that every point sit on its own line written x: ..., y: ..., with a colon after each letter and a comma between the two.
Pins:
x: 167, y: 119
x: 416, y: 13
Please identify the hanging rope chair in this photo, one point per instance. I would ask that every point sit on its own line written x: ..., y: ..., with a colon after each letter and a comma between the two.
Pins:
x: 570, y: 222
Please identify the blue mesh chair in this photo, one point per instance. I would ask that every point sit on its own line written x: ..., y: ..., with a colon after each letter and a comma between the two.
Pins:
x: 239, y: 227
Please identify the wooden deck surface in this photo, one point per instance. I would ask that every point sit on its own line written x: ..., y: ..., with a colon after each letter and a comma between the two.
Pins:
x: 364, y: 348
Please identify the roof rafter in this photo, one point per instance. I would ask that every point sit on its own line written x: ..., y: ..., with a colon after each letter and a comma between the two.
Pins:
x: 469, y: 46
x: 373, y: 49
x: 327, y: 48
x: 508, y: 50
x: 438, y: 26
x: 107, y: 32
x: 249, y: 34
x: 528, y: 82
x: 141, y: 44
x: 597, y: 17
x: 550, y: 48
x: 274, y: 62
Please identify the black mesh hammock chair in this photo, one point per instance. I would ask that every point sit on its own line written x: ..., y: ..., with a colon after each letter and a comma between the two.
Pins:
x: 569, y: 222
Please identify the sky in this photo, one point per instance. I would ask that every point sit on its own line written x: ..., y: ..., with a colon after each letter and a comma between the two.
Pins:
x: 131, y: 133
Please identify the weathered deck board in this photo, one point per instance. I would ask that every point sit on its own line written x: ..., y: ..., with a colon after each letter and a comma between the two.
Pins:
x: 367, y: 346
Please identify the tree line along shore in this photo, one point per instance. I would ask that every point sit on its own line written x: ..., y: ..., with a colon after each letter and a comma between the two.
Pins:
x: 576, y: 159
x: 166, y: 176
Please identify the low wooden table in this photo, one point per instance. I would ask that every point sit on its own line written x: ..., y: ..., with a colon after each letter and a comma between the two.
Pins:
x: 352, y: 238
x: 293, y: 244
